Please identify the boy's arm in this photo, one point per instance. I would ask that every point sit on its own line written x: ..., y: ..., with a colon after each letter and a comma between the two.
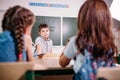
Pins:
x: 39, y: 51
x: 51, y: 51
x: 38, y: 48
x: 51, y: 47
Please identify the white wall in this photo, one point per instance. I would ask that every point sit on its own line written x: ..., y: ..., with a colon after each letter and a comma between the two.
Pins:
x: 71, y: 11
x: 115, y: 9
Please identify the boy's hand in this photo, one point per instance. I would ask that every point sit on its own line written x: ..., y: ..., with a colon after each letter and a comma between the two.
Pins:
x: 40, y: 56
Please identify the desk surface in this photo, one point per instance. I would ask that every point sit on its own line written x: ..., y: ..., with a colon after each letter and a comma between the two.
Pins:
x: 14, y: 70
x: 109, y: 73
x: 49, y: 65
x: 49, y: 62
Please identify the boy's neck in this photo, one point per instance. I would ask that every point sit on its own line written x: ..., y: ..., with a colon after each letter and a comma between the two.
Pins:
x: 45, y: 38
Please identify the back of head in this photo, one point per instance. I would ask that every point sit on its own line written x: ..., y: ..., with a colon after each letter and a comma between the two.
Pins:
x: 16, y: 20
x: 94, y: 26
x: 15, y: 16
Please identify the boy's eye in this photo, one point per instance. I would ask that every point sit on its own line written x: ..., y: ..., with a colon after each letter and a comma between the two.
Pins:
x: 43, y: 31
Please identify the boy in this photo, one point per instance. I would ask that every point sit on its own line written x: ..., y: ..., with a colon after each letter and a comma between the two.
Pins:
x: 43, y: 42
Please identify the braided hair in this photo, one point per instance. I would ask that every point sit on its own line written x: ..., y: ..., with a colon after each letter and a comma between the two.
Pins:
x: 16, y: 20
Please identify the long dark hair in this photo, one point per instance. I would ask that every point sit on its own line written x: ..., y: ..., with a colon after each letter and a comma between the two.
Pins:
x: 16, y: 20
x: 94, y: 28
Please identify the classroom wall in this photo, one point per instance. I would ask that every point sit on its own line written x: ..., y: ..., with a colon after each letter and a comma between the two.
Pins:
x: 59, y: 8
x: 66, y: 8
x: 45, y: 7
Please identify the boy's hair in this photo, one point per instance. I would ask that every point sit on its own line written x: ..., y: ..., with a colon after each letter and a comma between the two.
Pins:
x: 16, y: 20
x: 42, y: 26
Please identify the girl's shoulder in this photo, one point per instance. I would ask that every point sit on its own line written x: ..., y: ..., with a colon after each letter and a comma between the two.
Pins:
x: 5, y: 36
x: 72, y: 39
x: 27, y: 37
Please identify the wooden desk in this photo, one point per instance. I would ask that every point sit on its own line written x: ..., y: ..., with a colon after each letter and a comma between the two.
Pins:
x: 109, y: 73
x: 14, y: 70
x: 49, y: 65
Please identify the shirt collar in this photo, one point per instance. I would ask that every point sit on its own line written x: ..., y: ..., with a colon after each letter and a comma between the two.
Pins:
x: 44, y: 39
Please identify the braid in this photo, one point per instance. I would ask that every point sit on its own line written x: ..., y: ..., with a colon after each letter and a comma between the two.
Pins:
x: 19, y: 38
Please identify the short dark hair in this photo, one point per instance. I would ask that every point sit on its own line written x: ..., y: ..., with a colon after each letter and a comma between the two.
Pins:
x: 43, y: 25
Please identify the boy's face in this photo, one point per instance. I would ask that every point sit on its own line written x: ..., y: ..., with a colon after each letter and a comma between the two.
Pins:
x: 44, y: 32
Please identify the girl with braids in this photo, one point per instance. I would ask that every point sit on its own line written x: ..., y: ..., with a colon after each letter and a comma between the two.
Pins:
x: 94, y: 35
x: 15, y: 40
